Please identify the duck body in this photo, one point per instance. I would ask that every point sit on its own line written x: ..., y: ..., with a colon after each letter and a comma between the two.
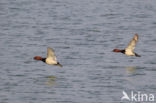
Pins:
x: 50, y: 59
x: 129, y: 51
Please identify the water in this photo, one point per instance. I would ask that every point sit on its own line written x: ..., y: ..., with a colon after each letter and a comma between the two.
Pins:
x: 83, y: 33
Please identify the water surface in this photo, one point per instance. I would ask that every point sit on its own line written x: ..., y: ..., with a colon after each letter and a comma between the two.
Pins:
x: 83, y: 34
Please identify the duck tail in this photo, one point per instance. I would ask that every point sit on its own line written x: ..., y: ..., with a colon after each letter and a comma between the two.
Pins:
x: 137, y: 55
x: 59, y: 64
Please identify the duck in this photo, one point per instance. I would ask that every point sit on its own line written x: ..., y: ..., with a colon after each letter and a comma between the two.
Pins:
x: 50, y: 59
x: 129, y: 50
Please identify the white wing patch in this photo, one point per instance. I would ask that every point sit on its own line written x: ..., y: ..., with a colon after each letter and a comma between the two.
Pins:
x: 51, y: 58
x: 131, y: 46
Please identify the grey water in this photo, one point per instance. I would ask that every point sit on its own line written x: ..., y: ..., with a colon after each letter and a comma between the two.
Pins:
x: 83, y: 34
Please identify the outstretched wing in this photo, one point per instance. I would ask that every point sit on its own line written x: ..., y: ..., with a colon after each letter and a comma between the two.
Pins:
x: 132, y: 43
x: 51, y: 54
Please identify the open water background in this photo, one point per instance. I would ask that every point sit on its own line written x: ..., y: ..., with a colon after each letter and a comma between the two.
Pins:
x: 83, y: 34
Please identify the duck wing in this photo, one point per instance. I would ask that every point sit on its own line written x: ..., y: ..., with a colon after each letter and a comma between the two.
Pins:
x: 51, y: 54
x: 132, y: 43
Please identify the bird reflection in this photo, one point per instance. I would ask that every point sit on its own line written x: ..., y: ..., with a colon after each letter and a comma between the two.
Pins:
x: 51, y: 81
x: 131, y: 70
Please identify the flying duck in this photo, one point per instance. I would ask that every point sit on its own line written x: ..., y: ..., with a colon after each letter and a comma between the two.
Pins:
x: 129, y: 51
x: 50, y: 59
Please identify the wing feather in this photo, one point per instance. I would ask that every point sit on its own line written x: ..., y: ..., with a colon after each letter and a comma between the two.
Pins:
x: 51, y: 54
x: 132, y: 43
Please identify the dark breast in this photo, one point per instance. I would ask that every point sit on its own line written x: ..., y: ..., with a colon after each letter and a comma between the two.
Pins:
x: 123, y: 51
x: 44, y: 59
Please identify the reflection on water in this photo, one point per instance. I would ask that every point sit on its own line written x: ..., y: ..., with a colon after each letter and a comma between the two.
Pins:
x: 51, y: 80
x: 131, y: 70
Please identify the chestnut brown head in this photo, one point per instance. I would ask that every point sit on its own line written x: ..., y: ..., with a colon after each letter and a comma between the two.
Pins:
x: 38, y: 58
x: 117, y: 50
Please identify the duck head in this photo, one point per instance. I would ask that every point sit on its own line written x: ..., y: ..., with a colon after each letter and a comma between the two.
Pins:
x: 117, y: 50
x: 38, y: 58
